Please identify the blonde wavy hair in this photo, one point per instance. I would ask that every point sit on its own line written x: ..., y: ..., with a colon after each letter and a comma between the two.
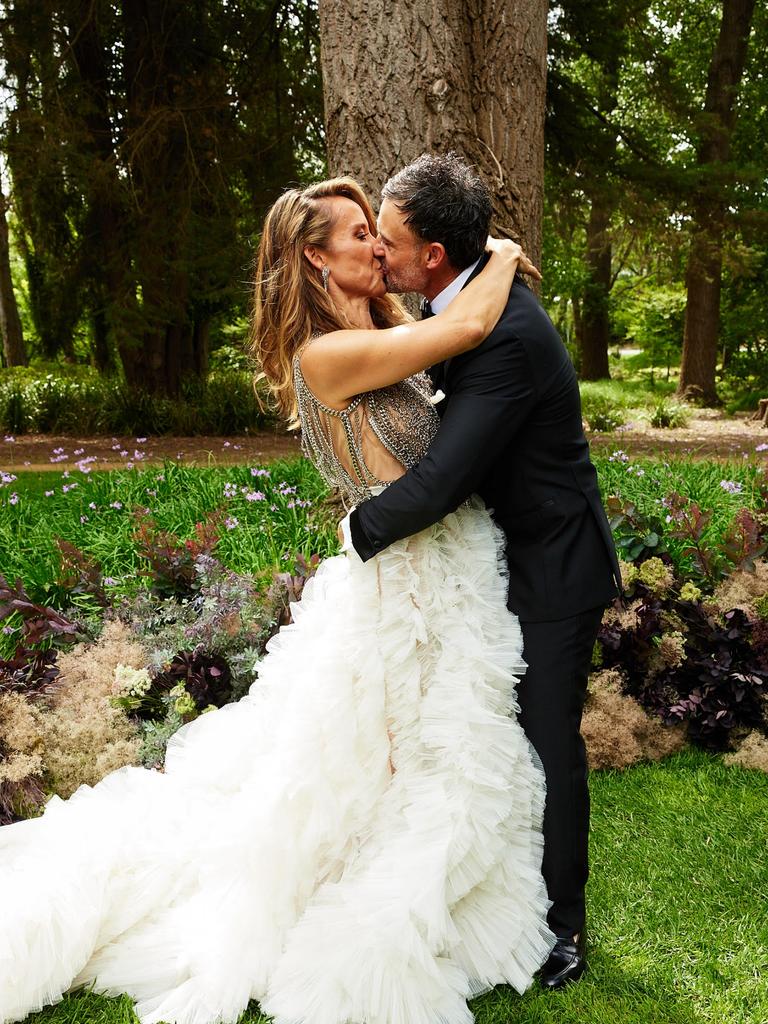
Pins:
x: 289, y: 302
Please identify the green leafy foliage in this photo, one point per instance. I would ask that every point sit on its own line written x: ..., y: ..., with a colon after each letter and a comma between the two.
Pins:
x: 82, y: 401
x: 669, y: 414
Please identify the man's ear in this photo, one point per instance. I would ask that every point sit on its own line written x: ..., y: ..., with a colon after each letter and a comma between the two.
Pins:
x: 314, y: 257
x: 436, y: 256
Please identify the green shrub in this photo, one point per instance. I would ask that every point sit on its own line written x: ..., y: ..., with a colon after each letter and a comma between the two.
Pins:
x: 602, y: 414
x: 82, y: 401
x: 669, y: 414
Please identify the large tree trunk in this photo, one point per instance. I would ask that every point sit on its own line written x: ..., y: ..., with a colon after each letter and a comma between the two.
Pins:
x: 161, y: 172
x: 106, y: 256
x: 703, y: 274
x: 594, y: 324
x: 404, y: 77
x: 14, y: 349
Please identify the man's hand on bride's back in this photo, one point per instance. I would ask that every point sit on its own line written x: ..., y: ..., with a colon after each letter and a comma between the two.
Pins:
x: 512, y: 251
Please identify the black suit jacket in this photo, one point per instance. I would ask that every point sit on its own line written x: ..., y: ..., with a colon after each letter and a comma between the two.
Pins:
x: 511, y: 431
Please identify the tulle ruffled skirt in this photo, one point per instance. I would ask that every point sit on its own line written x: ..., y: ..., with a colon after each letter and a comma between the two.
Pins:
x: 357, y: 841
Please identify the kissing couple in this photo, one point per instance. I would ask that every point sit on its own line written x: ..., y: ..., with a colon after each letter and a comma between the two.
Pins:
x: 394, y: 819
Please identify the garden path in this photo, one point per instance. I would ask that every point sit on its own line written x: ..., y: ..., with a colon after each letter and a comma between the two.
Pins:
x: 710, y: 434
x: 39, y: 452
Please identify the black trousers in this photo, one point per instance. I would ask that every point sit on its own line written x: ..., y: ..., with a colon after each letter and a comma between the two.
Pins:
x: 551, y: 696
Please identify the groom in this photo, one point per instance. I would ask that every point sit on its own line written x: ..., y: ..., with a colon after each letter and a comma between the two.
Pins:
x: 511, y: 432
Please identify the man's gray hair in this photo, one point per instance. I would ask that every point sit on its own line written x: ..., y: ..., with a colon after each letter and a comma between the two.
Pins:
x: 444, y: 201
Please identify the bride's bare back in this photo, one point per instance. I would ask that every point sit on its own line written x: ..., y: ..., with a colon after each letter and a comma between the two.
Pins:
x: 373, y: 441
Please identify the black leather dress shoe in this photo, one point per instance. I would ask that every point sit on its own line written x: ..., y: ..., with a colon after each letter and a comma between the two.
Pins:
x: 567, y: 962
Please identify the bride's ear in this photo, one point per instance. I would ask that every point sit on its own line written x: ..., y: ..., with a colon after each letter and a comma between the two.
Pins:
x: 314, y: 257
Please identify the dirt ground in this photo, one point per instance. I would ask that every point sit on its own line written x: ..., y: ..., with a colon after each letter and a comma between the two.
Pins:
x: 709, y: 434
x: 56, y: 452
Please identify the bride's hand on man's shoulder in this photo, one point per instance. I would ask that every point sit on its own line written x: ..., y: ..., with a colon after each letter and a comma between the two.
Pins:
x: 510, y: 250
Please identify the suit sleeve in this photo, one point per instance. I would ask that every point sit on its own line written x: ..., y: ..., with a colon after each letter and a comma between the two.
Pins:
x: 492, y: 391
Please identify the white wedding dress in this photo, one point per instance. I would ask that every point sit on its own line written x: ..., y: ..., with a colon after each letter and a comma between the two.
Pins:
x: 356, y: 841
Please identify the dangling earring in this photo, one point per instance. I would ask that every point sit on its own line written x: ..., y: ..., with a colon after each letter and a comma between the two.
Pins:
x: 325, y: 275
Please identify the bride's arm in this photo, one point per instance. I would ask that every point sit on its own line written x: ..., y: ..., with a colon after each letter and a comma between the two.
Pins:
x: 344, y: 364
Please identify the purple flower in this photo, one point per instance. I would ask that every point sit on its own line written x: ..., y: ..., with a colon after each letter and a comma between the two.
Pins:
x: 140, y: 440
x: 230, y: 490
x: 116, y: 504
x: 78, y: 451
x: 7, y: 478
x: 760, y: 447
x: 110, y: 581
x: 14, y: 499
x: 8, y: 439
x: 138, y: 455
x: 731, y: 486
x: 68, y: 487
x: 259, y: 472
x: 49, y: 494
x: 618, y: 456
x: 255, y: 496
x: 123, y: 452
x: 92, y: 504
x: 58, y: 451
x: 226, y: 444
x: 83, y: 519
x: 231, y: 522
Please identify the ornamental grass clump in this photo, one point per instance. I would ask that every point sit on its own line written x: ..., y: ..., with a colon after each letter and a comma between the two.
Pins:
x: 752, y: 752
x: 85, y: 735
x: 21, y: 759
x: 618, y: 732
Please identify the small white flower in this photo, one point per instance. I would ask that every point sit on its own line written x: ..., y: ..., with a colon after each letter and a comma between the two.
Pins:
x: 130, y: 681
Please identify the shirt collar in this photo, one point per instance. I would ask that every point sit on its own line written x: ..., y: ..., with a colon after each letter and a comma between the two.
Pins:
x: 451, y: 290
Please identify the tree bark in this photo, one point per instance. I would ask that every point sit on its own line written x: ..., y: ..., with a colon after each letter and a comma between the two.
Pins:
x: 404, y: 77
x: 14, y: 349
x: 594, y: 324
x: 704, y: 270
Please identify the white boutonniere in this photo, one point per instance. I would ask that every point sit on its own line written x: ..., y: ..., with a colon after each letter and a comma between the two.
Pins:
x: 437, y: 397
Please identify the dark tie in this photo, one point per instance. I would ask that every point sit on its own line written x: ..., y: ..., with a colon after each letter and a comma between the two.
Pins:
x: 426, y: 309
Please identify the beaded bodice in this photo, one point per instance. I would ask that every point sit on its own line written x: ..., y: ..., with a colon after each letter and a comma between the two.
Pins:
x: 370, y: 443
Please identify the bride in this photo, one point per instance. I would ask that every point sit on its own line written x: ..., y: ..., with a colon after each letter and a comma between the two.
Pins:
x: 358, y: 840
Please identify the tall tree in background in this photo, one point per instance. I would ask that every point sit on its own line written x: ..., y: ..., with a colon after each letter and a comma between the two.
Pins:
x: 705, y: 261
x: 14, y: 350
x: 403, y: 77
x: 144, y: 139
x: 593, y: 154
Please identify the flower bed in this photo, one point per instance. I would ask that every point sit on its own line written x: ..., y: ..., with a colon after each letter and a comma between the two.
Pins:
x: 148, y: 597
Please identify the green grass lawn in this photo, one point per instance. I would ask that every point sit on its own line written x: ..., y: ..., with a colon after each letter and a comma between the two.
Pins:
x: 676, y: 903
x: 267, y: 515
x: 98, y: 513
